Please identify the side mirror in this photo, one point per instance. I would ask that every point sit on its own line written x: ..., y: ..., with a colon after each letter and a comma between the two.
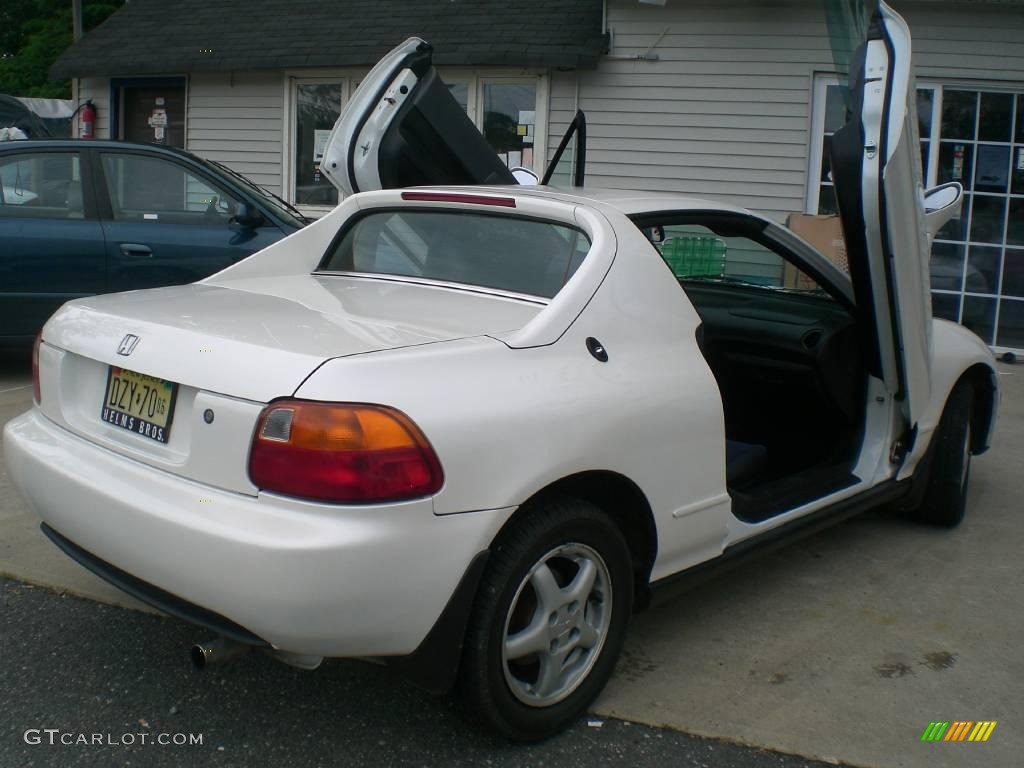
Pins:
x: 941, y: 204
x: 655, y: 234
x: 248, y: 216
x: 525, y: 177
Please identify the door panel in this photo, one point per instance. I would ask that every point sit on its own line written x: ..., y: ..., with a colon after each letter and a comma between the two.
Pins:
x: 154, y: 114
x: 168, y: 225
x: 876, y: 166
x: 53, y: 248
x: 317, y: 108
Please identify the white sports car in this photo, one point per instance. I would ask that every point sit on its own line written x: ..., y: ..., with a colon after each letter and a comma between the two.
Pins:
x: 471, y: 429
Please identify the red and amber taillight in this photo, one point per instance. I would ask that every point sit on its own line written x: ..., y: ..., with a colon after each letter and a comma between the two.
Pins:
x: 342, y: 452
x: 36, y: 389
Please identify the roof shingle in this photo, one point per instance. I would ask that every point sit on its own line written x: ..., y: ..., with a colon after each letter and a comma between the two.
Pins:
x: 151, y: 36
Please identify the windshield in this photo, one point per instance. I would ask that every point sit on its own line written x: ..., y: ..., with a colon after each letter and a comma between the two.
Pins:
x: 281, y: 207
x: 509, y: 253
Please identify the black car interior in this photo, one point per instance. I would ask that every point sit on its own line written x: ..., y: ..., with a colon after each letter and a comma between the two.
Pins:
x: 790, y: 371
x: 412, y: 151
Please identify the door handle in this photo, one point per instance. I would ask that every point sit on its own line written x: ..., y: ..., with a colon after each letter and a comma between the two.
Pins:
x: 136, y: 250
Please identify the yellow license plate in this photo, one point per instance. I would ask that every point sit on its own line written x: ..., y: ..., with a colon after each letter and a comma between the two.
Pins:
x: 139, y: 403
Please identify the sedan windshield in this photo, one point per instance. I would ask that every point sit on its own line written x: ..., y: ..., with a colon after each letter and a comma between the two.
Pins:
x: 508, y: 253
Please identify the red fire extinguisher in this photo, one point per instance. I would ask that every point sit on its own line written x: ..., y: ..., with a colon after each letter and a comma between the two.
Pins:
x: 88, y: 121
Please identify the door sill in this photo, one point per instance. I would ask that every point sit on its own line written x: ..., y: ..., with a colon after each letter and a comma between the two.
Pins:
x: 776, y: 538
x: 777, y: 497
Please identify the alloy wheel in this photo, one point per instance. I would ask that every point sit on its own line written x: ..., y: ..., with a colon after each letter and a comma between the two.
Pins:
x: 556, y: 625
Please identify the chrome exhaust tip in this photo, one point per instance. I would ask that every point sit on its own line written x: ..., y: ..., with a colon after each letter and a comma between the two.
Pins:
x: 218, y: 651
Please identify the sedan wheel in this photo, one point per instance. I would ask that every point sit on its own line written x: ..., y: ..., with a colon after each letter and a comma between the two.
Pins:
x: 549, y: 619
x: 557, y: 625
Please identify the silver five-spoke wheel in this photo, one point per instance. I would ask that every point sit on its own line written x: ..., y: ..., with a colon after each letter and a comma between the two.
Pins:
x: 557, y: 624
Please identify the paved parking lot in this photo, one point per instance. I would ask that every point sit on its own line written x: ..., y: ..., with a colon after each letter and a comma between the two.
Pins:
x: 841, y: 648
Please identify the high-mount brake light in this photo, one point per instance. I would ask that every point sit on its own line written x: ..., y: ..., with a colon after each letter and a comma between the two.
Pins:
x: 455, y: 197
x: 342, y: 452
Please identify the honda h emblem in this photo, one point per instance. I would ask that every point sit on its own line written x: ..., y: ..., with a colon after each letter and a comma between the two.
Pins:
x: 128, y: 344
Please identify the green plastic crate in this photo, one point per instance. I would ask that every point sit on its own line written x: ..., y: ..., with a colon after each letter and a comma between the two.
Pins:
x: 694, y: 255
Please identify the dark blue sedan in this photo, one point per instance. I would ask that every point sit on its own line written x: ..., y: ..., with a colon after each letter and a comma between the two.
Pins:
x: 84, y: 217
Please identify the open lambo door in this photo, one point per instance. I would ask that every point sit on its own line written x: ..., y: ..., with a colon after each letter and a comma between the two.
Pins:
x: 403, y: 128
x: 876, y: 167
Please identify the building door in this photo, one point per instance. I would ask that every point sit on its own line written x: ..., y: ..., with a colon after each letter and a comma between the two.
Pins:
x: 316, y: 106
x: 152, y: 113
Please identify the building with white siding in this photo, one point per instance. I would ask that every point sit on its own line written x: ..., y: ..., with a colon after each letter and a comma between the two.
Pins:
x: 726, y: 99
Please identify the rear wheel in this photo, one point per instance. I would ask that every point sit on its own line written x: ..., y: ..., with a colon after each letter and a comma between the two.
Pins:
x: 945, y: 496
x: 549, y: 620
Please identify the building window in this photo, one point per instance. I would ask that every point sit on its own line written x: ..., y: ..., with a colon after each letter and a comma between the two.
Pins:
x: 461, y: 90
x: 974, y: 136
x: 508, y: 119
x: 316, y: 105
x: 829, y: 115
x: 505, y: 110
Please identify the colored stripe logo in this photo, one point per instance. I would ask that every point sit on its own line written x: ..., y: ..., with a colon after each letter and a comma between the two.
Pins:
x: 958, y: 730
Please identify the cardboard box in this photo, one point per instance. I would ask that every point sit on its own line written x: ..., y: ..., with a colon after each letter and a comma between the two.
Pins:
x: 823, y: 232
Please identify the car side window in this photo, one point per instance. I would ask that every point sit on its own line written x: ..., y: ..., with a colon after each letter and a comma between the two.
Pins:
x: 42, y: 185
x: 154, y: 189
x: 695, y: 253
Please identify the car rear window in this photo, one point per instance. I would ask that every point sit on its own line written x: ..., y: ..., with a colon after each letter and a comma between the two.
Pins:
x: 508, y: 253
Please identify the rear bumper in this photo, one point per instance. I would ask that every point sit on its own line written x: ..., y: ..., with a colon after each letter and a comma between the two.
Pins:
x: 154, y: 596
x: 307, y: 578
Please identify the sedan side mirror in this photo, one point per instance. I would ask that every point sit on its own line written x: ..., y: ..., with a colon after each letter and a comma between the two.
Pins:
x: 248, y: 216
x: 941, y: 204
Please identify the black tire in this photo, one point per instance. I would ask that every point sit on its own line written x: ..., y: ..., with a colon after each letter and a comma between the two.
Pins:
x: 945, y: 496
x: 490, y: 685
